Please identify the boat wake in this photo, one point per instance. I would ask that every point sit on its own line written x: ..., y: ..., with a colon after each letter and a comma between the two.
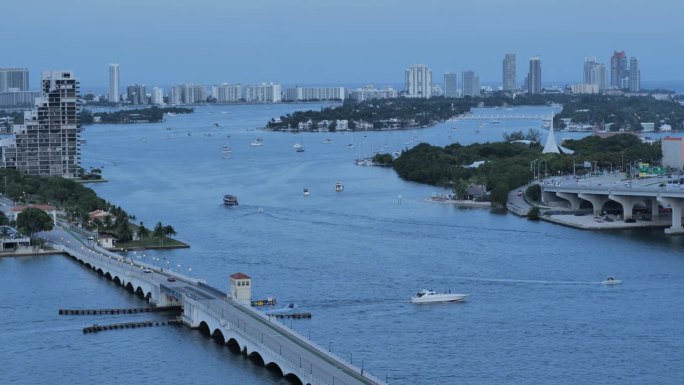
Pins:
x: 531, y: 281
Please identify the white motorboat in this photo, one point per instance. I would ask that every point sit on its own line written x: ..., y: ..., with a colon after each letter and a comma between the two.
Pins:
x: 339, y: 187
x: 296, y: 145
x: 306, y: 192
x: 257, y: 142
x: 611, y: 281
x: 431, y: 296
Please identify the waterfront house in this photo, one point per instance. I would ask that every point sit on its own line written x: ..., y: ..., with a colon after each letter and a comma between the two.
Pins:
x: 49, y: 209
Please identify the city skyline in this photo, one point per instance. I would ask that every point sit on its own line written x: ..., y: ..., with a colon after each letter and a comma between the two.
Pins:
x: 218, y: 50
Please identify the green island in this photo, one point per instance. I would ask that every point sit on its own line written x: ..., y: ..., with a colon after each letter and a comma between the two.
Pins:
x: 140, y: 115
x: 614, y: 112
x: 81, y: 208
x: 505, y: 166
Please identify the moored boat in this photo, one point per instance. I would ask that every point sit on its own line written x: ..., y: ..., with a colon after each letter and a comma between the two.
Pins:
x: 431, y: 296
x: 230, y: 200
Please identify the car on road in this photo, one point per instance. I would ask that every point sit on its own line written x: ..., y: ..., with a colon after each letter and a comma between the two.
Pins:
x: 147, y: 270
x: 171, y: 279
x: 519, y: 193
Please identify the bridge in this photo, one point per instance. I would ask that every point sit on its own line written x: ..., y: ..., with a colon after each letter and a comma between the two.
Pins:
x: 626, y: 194
x: 225, y: 318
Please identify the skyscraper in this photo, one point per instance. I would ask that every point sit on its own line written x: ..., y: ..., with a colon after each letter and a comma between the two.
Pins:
x: 114, y: 82
x: 14, y: 79
x: 418, y: 81
x: 595, y: 73
x: 534, y: 76
x: 136, y: 94
x: 618, y: 68
x: 634, y: 75
x: 471, y: 84
x: 450, y: 85
x: 47, y: 143
x: 509, y: 72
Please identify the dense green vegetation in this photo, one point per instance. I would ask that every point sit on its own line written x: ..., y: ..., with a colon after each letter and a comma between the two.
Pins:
x: 151, y: 114
x: 31, y: 221
x: 77, y: 201
x: 508, y: 165
x: 616, y: 111
x: 382, y: 113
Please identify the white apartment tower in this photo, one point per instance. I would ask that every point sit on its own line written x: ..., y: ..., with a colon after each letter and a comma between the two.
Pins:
x: 114, y: 82
x: 418, y: 81
x: 47, y: 143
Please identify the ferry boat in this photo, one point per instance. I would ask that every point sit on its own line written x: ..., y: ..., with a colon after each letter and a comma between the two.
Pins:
x: 230, y: 200
x: 339, y: 187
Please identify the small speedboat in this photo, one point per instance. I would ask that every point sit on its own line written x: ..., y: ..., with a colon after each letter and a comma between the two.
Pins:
x: 339, y: 187
x: 431, y: 296
x: 306, y: 192
x: 257, y: 142
x: 611, y: 281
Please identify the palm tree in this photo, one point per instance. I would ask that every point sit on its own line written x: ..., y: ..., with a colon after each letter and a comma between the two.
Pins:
x: 169, y: 231
x: 143, y: 232
x: 159, y: 232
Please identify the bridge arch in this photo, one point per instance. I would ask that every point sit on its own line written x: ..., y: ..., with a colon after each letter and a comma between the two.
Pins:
x: 130, y: 288
x: 204, y: 329
x: 256, y: 358
x: 233, y: 345
x: 99, y: 271
x: 148, y: 296
x: 140, y: 292
x: 117, y: 280
x: 108, y: 276
x: 218, y: 337
x: 88, y: 265
x: 293, y: 379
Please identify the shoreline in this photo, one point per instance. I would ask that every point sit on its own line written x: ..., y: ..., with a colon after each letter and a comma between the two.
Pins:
x: 462, y: 203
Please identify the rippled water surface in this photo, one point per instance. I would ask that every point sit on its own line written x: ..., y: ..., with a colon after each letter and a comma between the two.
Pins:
x: 536, y: 312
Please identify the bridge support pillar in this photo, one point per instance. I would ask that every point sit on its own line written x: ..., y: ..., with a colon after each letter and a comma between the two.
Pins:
x: 574, y: 200
x: 597, y: 201
x: 627, y: 203
x: 676, y: 204
x: 655, y: 212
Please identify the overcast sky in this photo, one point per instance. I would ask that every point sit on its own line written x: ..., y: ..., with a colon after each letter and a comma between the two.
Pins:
x: 163, y: 42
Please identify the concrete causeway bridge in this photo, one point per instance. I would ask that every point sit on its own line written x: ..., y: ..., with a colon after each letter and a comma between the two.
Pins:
x: 227, y: 317
x: 627, y: 195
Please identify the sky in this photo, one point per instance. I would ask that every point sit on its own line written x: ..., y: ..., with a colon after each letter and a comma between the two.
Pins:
x: 165, y: 42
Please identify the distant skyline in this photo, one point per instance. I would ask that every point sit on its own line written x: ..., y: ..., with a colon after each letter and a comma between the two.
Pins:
x: 315, y: 41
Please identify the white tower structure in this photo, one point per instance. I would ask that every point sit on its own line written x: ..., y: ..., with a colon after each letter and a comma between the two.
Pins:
x: 114, y: 82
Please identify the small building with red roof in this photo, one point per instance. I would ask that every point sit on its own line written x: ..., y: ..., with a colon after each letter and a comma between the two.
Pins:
x: 241, y: 288
x: 49, y: 209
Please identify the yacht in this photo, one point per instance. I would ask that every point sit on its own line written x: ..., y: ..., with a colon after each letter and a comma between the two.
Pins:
x: 431, y: 296
x: 611, y: 281
x: 230, y: 200
x: 257, y: 142
x: 339, y: 187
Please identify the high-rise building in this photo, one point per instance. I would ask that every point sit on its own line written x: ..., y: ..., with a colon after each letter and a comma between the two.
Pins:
x: 471, y: 84
x: 263, y: 93
x: 595, y: 73
x: 618, y: 69
x: 47, y: 143
x: 157, y: 96
x: 418, y: 81
x: 509, y: 72
x: 634, y: 75
x: 370, y: 92
x: 14, y: 79
x: 534, y: 76
x: 114, y: 82
x: 450, y: 85
x: 226, y: 93
x: 314, y: 93
x: 136, y: 94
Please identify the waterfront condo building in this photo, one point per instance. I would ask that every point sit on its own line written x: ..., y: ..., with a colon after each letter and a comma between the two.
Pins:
x: 370, y: 92
x: 228, y: 93
x: 136, y: 94
x: 534, y: 76
x: 595, y: 73
x: 314, y: 93
x: 263, y: 93
x: 634, y: 75
x: 450, y: 85
x: 157, y: 96
x: 114, y: 82
x: 14, y: 79
x: 509, y: 72
x: 471, y: 84
x: 418, y: 81
x: 47, y: 143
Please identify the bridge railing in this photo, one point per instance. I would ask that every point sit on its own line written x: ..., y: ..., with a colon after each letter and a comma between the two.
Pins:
x: 314, y: 380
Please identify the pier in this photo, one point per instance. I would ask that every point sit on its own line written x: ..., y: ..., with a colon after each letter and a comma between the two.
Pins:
x: 227, y: 317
